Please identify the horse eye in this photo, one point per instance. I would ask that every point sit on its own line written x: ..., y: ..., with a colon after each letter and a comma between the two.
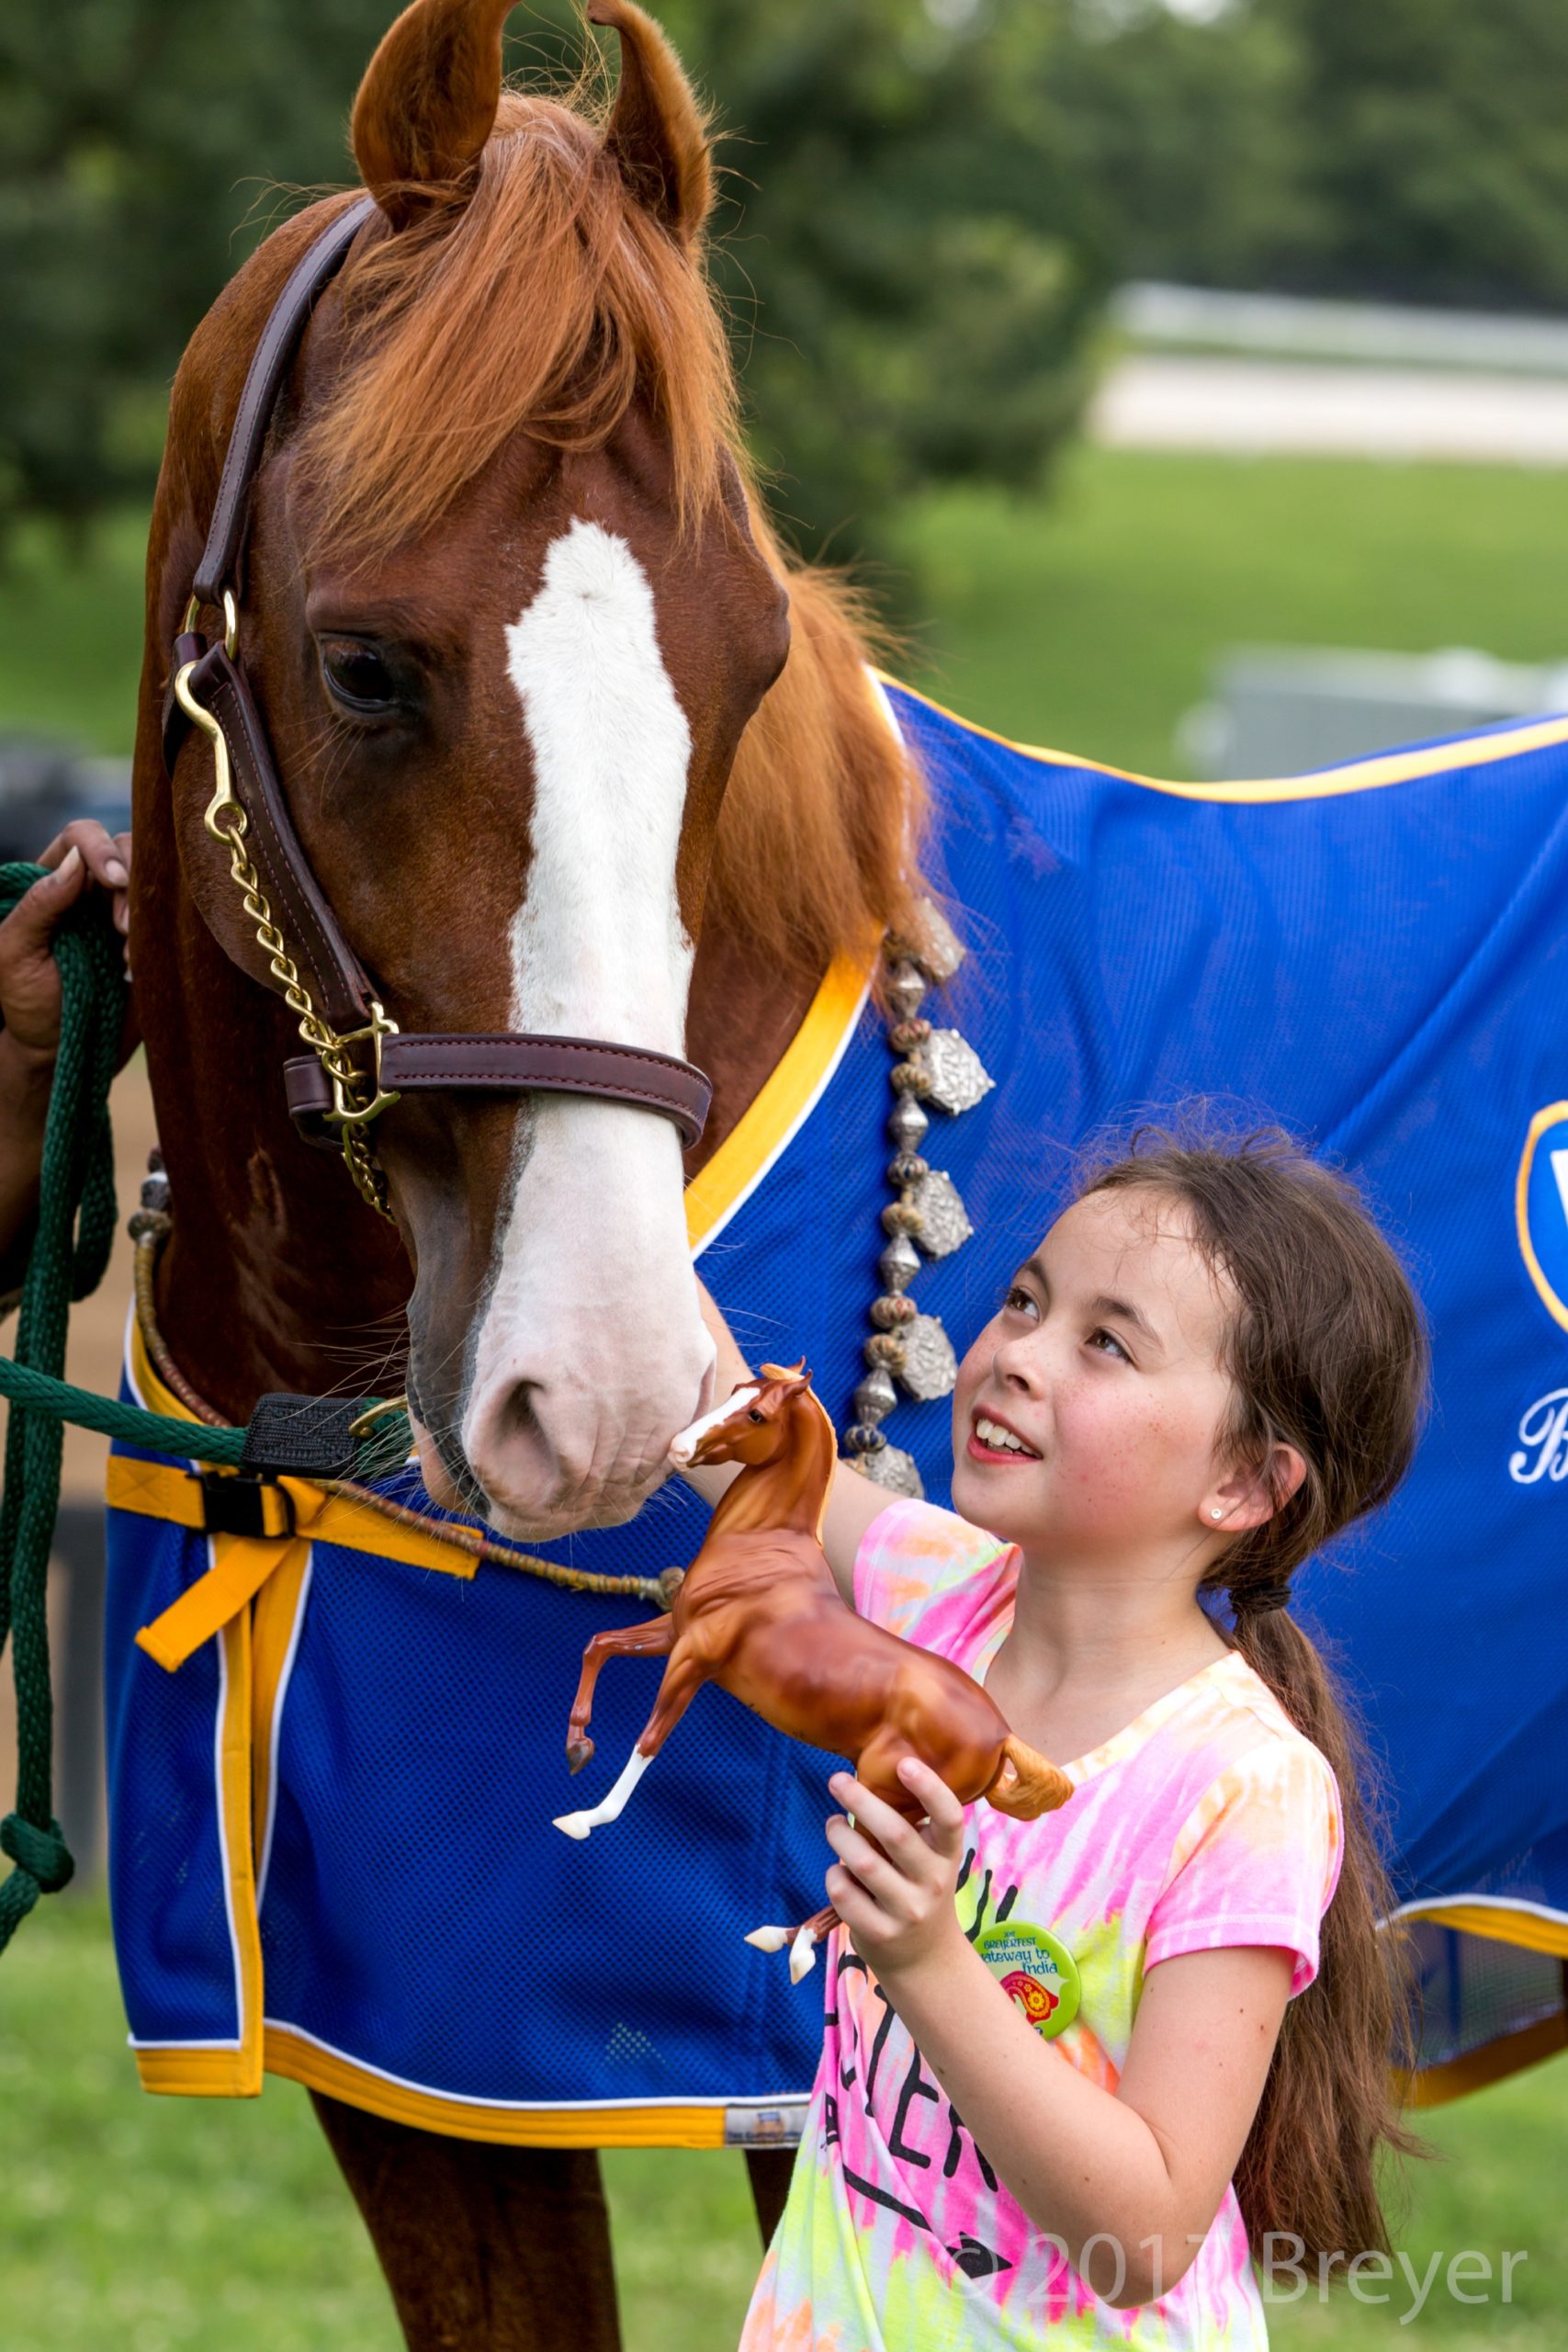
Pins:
x: 754, y: 1416
x: 356, y: 675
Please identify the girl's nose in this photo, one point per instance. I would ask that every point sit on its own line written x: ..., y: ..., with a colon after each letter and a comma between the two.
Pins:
x: 1017, y: 1363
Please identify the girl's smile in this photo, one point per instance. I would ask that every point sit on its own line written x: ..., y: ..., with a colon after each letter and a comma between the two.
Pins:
x: 992, y: 1439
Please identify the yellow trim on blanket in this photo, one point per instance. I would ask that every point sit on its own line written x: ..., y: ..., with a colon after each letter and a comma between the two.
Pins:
x: 763, y: 1128
x: 1327, y: 784
x: 272, y: 1632
x: 539, y: 2127
x: 198, y: 2073
x: 1543, y: 1120
x: 1498, y: 1923
x: 234, y: 1782
x: 161, y: 1490
x: 1436, y: 2086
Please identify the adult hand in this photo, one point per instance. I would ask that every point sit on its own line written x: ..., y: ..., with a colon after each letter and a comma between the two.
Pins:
x: 80, y: 859
x: 896, y: 1895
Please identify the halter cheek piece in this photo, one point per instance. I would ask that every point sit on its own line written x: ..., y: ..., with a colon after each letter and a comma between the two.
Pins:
x: 360, y: 1061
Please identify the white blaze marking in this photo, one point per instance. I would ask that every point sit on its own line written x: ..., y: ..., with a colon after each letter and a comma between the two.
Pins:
x: 578, y: 1825
x: 598, y: 948
x: 682, y: 1448
x: 593, y: 1307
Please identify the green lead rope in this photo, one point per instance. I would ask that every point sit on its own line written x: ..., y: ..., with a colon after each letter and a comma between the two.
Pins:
x: 70, y: 1251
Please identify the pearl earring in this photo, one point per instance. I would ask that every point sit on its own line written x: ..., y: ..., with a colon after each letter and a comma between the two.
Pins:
x: 1216, y: 1514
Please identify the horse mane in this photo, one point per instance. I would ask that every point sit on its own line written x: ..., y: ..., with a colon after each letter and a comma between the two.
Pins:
x: 544, y: 294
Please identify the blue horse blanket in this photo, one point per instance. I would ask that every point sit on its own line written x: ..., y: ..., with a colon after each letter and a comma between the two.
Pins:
x: 331, y: 1850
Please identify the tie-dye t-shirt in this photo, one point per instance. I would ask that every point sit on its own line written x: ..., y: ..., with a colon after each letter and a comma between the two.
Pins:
x: 1210, y: 1820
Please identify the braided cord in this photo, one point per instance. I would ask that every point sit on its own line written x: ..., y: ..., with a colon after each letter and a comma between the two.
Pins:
x: 70, y: 1251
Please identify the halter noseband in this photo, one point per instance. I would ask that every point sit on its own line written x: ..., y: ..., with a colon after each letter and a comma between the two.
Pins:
x: 360, y: 1061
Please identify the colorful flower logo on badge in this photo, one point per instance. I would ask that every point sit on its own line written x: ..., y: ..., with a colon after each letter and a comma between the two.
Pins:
x: 1036, y: 1972
x: 1540, y: 1208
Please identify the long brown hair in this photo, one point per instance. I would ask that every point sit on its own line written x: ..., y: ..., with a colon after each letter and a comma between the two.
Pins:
x: 1326, y: 1353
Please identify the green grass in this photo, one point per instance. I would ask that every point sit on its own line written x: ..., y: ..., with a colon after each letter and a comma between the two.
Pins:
x: 71, y: 636
x: 138, y: 2224
x: 1091, y: 623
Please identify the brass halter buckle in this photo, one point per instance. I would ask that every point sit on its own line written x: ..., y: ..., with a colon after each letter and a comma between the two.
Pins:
x: 347, y: 1111
x: 358, y: 1096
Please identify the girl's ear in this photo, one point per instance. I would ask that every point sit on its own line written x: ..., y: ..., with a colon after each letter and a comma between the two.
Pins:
x: 1251, y: 1498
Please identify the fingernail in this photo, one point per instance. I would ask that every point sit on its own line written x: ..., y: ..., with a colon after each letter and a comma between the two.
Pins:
x: 68, y: 863
x: 122, y: 918
x: 115, y: 873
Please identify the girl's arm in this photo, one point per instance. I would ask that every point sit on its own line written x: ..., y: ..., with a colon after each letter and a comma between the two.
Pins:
x: 1127, y: 2181
x: 852, y: 1501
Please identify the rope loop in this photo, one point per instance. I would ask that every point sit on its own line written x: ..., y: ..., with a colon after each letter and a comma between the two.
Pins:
x: 70, y: 1251
x: 42, y: 1853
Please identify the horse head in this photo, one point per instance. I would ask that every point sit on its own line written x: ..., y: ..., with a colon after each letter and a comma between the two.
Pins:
x: 754, y: 1426
x: 504, y: 613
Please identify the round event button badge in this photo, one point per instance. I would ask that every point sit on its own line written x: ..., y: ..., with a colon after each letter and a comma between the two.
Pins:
x: 1036, y: 1970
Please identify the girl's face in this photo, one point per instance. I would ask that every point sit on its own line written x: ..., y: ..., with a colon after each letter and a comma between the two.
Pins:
x: 1086, y: 1411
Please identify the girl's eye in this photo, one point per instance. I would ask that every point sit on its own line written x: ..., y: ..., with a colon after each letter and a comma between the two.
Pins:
x: 1112, y: 1344
x: 1018, y: 1301
x: 358, y: 676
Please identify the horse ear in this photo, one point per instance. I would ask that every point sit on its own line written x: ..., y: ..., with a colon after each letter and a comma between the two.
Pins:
x: 427, y: 104
x: 656, y: 131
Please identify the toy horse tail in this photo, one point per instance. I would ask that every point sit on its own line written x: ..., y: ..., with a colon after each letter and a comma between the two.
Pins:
x: 1026, y: 1785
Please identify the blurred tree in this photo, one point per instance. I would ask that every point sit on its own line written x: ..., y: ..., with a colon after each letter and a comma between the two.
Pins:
x: 906, y: 256
x: 135, y: 140
x: 1413, y: 149
x: 1189, y: 135
x: 902, y: 255
x: 1441, y: 152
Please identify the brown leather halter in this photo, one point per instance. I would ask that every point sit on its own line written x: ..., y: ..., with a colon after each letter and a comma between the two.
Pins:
x: 360, y: 1061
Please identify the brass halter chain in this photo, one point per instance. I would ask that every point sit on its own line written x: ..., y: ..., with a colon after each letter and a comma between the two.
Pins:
x: 358, y: 1096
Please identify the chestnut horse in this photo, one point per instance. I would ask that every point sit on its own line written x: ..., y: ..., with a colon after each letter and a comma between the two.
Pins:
x: 519, y: 637
x: 758, y: 1613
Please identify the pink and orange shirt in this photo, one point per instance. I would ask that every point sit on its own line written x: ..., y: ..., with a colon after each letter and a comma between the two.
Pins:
x: 1210, y: 1820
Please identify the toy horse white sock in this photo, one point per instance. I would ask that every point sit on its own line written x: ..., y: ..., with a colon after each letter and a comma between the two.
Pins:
x: 578, y: 1825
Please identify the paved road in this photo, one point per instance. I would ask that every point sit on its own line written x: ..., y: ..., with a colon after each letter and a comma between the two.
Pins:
x: 1258, y: 407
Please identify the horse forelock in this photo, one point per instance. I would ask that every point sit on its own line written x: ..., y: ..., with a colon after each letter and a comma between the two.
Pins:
x: 541, y: 297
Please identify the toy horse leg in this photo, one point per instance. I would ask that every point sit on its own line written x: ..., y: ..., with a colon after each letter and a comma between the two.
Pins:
x: 802, y: 1941
x: 683, y: 1677
x: 655, y: 1639
x: 496, y: 2249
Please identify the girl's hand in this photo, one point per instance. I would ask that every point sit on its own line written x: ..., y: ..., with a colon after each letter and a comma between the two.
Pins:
x: 82, y: 858
x: 897, y: 1903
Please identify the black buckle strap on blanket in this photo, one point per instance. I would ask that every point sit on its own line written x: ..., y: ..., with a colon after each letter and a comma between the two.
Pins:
x: 241, y: 1503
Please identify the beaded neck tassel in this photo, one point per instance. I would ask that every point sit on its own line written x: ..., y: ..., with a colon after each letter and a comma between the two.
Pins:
x: 939, y: 1068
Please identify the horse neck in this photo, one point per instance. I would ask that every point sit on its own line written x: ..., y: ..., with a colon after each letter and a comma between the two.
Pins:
x: 790, y: 1493
x: 816, y: 850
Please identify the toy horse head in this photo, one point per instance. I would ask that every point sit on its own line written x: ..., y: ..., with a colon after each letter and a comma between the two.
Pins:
x: 752, y: 1426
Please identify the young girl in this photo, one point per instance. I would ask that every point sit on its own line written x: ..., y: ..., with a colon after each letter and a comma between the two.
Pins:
x: 1077, y: 2069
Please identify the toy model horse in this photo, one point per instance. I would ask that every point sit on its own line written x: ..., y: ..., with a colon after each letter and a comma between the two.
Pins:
x: 759, y: 1613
